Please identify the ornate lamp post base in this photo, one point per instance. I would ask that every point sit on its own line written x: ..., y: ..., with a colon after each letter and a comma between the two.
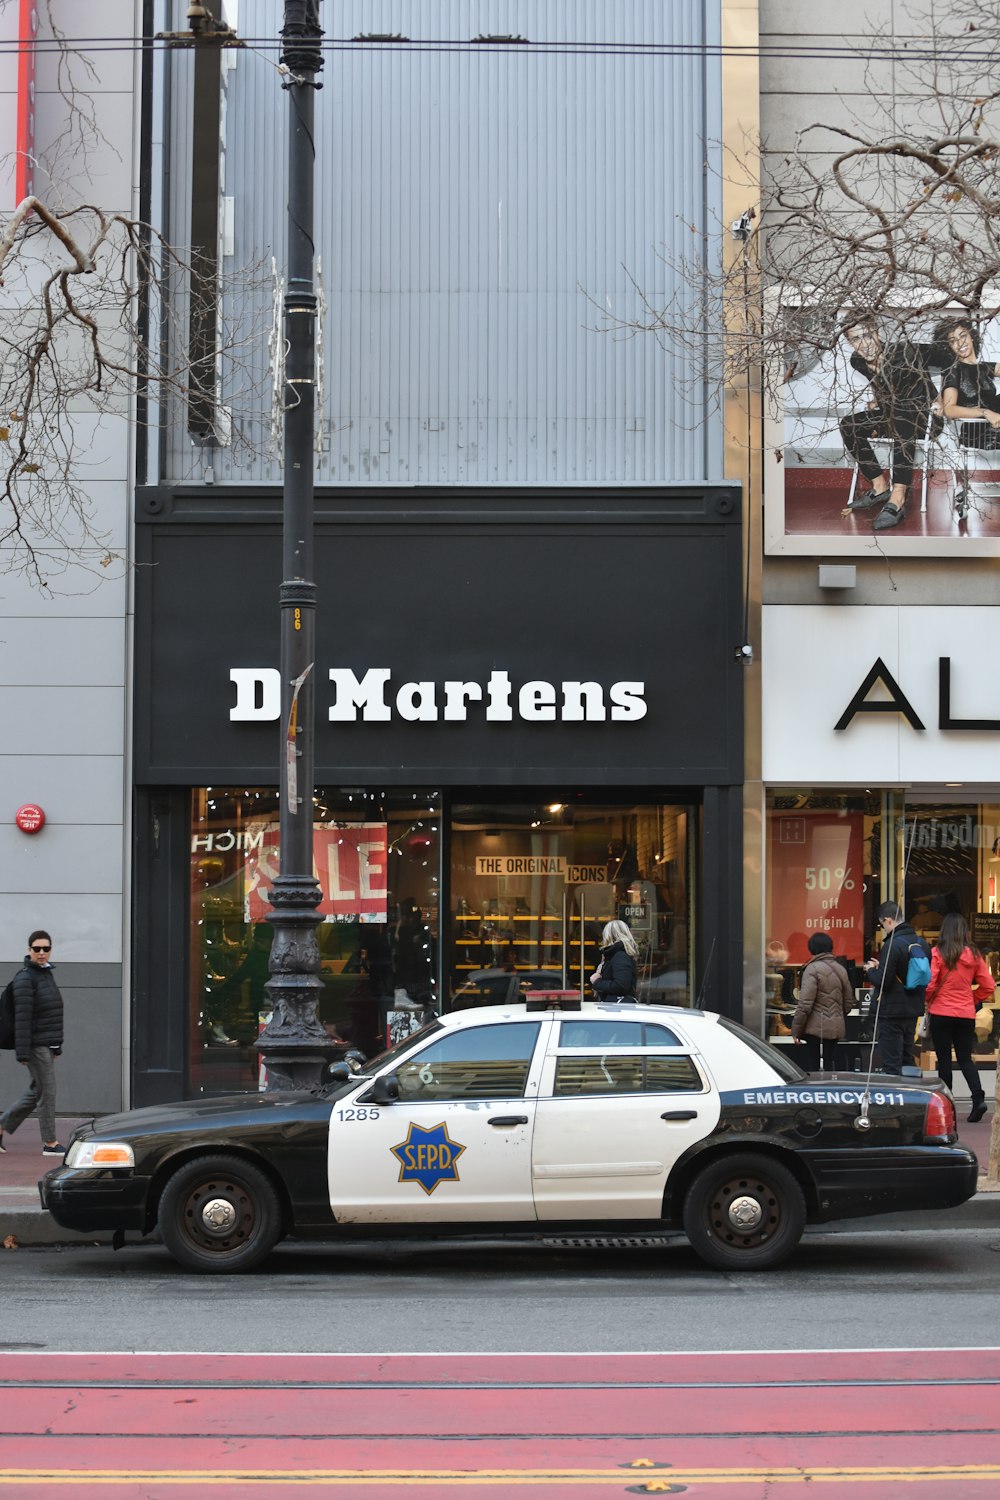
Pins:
x: 294, y: 1046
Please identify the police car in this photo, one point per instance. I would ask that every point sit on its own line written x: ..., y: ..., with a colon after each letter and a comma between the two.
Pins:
x: 545, y: 1116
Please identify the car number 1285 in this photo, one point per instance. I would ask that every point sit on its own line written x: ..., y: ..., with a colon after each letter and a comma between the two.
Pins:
x: 357, y: 1114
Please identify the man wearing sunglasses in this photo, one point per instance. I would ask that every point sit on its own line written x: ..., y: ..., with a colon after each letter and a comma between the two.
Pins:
x: 38, y: 1039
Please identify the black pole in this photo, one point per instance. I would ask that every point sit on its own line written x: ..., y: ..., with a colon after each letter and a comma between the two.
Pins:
x: 294, y: 1045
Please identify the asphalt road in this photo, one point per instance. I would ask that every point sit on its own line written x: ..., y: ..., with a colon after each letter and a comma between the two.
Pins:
x: 877, y: 1289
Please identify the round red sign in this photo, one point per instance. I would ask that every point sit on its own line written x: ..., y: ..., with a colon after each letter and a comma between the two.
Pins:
x: 29, y: 818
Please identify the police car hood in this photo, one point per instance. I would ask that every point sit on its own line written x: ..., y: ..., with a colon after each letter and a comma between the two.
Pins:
x: 225, y: 1110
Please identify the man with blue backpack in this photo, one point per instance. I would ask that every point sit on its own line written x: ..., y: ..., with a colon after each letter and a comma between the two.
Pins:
x: 900, y: 976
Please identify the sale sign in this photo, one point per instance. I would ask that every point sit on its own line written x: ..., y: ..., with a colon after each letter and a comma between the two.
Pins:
x: 815, y: 882
x: 350, y: 861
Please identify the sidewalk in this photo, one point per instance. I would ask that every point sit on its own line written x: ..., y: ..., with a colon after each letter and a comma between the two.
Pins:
x: 22, y: 1164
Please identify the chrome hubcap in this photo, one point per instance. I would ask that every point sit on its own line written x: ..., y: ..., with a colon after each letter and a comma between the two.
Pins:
x: 745, y: 1213
x: 218, y: 1216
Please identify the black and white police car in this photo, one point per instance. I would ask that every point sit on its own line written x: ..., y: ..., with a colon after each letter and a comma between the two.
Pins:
x: 528, y: 1117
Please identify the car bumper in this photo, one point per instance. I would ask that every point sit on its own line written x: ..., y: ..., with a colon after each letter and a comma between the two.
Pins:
x: 87, y: 1199
x: 852, y: 1184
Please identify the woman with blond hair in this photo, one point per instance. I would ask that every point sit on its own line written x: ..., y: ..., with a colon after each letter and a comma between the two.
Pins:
x: 615, y: 976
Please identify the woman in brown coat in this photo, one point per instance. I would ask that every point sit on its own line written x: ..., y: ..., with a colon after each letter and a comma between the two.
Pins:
x: 825, y: 997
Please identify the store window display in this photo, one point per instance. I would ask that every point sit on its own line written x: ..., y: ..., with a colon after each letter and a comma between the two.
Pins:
x: 376, y: 856
x: 833, y: 856
x: 533, y: 886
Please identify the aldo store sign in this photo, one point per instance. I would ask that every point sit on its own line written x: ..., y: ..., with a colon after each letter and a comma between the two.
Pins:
x: 464, y: 639
x: 880, y: 695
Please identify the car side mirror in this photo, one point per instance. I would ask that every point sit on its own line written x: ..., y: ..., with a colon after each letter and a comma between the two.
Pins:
x: 384, y: 1090
x: 339, y: 1072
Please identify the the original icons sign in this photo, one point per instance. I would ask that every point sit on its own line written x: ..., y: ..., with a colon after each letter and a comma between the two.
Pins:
x: 428, y: 1156
x: 30, y: 818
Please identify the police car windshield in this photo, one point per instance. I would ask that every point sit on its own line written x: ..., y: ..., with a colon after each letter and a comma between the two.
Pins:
x: 399, y: 1051
x: 787, y: 1071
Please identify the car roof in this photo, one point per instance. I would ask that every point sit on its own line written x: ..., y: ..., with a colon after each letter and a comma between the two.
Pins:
x: 498, y: 1015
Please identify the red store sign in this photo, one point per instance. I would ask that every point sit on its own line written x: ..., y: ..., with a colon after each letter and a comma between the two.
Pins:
x: 817, y: 882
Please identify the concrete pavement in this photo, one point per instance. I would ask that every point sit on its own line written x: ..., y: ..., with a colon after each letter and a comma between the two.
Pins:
x: 22, y: 1164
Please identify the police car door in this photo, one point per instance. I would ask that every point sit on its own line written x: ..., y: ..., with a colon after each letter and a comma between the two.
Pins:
x: 456, y: 1145
x: 621, y: 1098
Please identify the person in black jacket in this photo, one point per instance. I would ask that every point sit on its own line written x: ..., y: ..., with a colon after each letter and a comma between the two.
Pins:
x: 897, y: 1007
x: 38, y: 1039
x: 901, y: 398
x: 615, y: 976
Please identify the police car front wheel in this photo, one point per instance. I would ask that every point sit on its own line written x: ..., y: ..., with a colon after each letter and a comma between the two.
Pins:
x: 744, y: 1212
x: 219, y: 1213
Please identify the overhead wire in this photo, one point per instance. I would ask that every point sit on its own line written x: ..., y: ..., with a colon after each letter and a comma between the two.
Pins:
x: 490, y: 45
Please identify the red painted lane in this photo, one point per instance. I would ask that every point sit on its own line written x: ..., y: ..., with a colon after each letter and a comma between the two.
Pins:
x: 369, y: 1412
x: 418, y: 1416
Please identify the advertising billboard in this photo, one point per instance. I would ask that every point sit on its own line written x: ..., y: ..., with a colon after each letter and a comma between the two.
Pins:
x: 886, y: 438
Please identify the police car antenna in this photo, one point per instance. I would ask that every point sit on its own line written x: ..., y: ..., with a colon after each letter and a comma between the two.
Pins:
x: 863, y: 1122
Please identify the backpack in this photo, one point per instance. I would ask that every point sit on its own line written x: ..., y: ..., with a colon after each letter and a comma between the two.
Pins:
x: 7, y: 1018
x: 918, y: 970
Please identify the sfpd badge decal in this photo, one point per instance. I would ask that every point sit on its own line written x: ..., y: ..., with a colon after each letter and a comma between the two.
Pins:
x: 428, y: 1156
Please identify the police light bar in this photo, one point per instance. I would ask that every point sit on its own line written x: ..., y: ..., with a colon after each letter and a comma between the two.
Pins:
x: 553, y: 1000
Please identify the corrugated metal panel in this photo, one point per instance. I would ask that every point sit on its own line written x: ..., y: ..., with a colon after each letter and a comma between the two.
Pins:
x: 467, y: 204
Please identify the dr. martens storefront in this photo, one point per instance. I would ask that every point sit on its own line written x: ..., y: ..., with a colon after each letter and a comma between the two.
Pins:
x: 528, y: 721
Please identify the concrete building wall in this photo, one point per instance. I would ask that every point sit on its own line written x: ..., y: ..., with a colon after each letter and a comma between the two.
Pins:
x: 64, y: 649
x: 482, y: 211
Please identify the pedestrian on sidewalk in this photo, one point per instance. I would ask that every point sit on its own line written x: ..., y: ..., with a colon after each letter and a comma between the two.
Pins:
x: 825, y: 997
x: 38, y: 1040
x: 951, y: 1004
x: 896, y: 1007
x: 616, y: 975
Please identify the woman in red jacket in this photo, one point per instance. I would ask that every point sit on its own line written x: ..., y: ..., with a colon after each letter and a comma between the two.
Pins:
x: 951, y: 1005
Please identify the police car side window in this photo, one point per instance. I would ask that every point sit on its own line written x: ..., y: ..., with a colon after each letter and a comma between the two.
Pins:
x: 478, y: 1062
x: 618, y: 1073
x: 617, y: 1033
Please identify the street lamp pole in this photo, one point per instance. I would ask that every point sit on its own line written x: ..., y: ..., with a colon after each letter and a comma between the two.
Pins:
x: 294, y: 1045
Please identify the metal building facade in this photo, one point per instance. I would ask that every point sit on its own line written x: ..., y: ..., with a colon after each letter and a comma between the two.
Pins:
x: 480, y: 207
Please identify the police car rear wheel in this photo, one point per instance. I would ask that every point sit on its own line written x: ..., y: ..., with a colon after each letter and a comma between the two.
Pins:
x: 744, y: 1213
x: 219, y: 1213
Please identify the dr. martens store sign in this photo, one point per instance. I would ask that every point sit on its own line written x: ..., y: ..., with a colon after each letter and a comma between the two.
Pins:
x: 463, y: 638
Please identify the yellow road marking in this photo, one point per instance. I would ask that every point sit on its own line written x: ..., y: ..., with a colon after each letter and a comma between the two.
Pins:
x: 896, y: 1474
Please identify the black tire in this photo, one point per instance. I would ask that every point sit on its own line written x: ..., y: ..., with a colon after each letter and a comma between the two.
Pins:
x: 770, y: 1200
x: 245, y: 1202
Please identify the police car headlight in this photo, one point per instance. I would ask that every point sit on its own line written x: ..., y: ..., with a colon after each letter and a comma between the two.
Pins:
x: 100, y: 1154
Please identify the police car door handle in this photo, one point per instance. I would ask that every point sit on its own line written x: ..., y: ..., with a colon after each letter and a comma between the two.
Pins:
x: 680, y: 1114
x: 508, y: 1119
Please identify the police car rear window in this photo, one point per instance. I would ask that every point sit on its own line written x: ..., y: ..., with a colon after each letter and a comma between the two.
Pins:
x: 586, y: 1032
x: 773, y: 1056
